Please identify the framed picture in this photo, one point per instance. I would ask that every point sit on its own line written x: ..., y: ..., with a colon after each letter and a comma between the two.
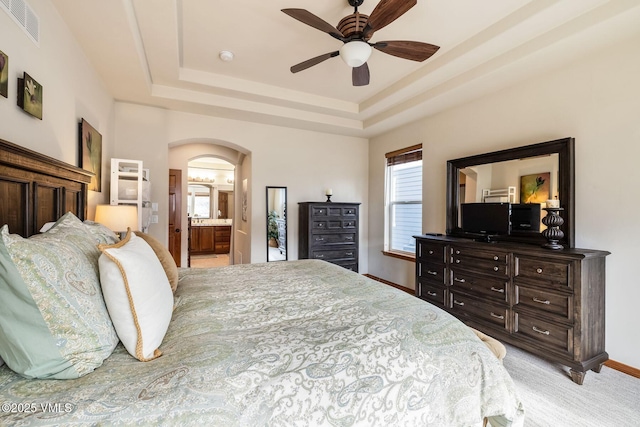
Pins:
x: 244, y: 199
x: 30, y: 96
x: 534, y: 188
x: 91, y: 154
x: 4, y: 74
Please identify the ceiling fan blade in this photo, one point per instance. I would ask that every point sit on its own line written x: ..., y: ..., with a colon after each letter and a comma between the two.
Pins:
x: 360, y: 75
x: 415, y: 51
x: 309, y: 18
x: 313, y: 61
x: 385, y: 13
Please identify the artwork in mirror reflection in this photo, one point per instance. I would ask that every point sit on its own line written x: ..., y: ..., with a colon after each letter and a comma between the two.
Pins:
x: 276, y: 223
x: 508, y: 181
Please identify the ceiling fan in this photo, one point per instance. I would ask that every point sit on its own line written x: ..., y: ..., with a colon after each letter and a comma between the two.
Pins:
x: 356, y: 29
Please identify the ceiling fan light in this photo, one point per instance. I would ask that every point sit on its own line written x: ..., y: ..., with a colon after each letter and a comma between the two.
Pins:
x: 355, y: 53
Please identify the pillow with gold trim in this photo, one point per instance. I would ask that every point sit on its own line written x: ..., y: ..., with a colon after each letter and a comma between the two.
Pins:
x: 53, y: 320
x: 165, y: 258
x: 137, y: 293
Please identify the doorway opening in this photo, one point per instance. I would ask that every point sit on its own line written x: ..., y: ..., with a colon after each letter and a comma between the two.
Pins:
x: 210, y: 211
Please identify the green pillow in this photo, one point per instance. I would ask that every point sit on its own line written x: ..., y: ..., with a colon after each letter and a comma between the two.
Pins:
x: 53, y: 320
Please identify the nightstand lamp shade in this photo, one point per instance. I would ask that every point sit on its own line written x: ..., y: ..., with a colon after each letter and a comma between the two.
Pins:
x: 117, y: 217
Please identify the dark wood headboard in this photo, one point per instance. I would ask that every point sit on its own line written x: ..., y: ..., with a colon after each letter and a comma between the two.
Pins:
x: 36, y: 189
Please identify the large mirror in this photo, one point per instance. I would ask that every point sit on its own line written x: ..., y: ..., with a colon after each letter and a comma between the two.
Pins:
x: 501, y: 176
x: 276, y: 223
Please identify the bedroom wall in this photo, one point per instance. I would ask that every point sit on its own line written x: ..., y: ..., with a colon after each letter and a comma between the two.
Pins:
x: 306, y: 162
x: 595, y: 100
x: 71, y: 91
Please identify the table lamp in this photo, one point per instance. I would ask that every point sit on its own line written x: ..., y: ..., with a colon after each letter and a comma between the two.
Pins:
x: 118, y: 217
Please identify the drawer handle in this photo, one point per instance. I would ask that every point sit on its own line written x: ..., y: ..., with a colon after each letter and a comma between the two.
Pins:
x: 497, y: 316
x: 494, y: 289
x: 321, y: 225
x: 319, y: 239
x: 496, y: 268
x: 540, y: 331
x: 319, y: 256
x: 456, y: 302
x: 431, y: 294
x: 430, y: 252
x: 457, y: 261
x: 349, y: 254
x: 495, y: 258
x: 457, y: 252
x: 433, y: 273
x: 348, y: 238
x: 459, y: 280
x: 540, y: 301
x: 539, y: 270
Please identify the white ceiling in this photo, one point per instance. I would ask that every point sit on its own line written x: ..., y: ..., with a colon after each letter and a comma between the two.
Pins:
x: 165, y: 53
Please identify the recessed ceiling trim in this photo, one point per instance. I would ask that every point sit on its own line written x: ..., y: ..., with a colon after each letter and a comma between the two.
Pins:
x: 266, y: 91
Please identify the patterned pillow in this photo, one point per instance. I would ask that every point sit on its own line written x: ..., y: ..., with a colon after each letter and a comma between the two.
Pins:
x: 137, y: 293
x: 102, y: 234
x: 53, y: 320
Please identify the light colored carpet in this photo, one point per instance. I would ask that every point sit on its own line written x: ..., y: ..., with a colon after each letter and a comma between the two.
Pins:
x: 550, y: 398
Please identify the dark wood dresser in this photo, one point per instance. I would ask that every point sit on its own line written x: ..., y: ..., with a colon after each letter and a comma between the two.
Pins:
x: 329, y: 231
x: 548, y: 302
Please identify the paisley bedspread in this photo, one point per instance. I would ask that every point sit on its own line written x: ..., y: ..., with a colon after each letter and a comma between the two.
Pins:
x: 297, y: 343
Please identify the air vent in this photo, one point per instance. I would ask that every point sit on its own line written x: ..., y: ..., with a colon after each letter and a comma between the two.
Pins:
x: 23, y: 15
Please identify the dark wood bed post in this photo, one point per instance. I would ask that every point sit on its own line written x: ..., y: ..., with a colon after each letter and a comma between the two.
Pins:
x: 36, y: 189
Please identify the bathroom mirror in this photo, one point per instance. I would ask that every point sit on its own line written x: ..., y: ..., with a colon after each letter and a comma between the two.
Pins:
x: 276, y: 223
x: 469, y: 177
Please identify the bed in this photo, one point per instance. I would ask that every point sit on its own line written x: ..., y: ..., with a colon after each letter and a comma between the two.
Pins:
x: 295, y: 343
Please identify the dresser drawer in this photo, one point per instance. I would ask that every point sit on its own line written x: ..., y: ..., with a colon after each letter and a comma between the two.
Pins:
x: 431, y: 251
x: 433, y: 293
x: 334, y: 224
x: 493, y: 257
x: 487, y: 266
x: 545, y: 301
x: 541, y: 270
x: 334, y: 254
x: 434, y: 273
x: 545, y: 334
x: 484, y: 287
x: 349, y: 264
x: 333, y: 239
x: 466, y: 307
x: 350, y: 211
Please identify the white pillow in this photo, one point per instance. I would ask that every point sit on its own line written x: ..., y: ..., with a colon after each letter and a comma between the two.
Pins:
x: 137, y: 293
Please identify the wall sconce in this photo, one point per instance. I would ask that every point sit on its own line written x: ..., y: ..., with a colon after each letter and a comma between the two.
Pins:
x: 118, y: 217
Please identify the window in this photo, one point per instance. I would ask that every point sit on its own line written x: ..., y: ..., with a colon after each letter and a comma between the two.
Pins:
x: 403, y: 200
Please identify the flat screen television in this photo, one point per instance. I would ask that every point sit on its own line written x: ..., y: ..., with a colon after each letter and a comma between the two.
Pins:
x: 489, y: 219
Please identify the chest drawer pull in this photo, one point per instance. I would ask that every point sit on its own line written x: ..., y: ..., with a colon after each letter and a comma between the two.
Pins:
x: 494, y: 289
x: 495, y: 258
x: 431, y: 294
x: 540, y: 331
x: 456, y: 302
x: 457, y: 252
x: 546, y: 301
x: 430, y: 252
x: 539, y: 270
x: 349, y: 253
x: 433, y: 273
x: 459, y: 280
x: 319, y: 256
x: 497, y: 316
x: 457, y: 261
x: 496, y: 268
x: 348, y: 238
x: 319, y: 239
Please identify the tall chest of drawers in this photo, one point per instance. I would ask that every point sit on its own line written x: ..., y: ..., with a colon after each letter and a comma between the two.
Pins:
x: 550, y: 303
x: 329, y: 231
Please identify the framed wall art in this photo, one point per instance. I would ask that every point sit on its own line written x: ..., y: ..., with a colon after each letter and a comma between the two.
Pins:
x: 30, y: 96
x: 534, y: 188
x: 4, y: 74
x: 91, y: 154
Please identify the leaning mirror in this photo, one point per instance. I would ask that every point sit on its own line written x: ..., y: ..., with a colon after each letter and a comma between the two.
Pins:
x: 276, y: 223
x: 501, y: 176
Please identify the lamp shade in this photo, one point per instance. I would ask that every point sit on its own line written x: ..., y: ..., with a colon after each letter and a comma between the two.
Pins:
x: 117, y: 217
x: 355, y: 53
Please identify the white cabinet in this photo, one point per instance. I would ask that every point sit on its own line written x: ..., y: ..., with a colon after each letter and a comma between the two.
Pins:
x: 130, y: 186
